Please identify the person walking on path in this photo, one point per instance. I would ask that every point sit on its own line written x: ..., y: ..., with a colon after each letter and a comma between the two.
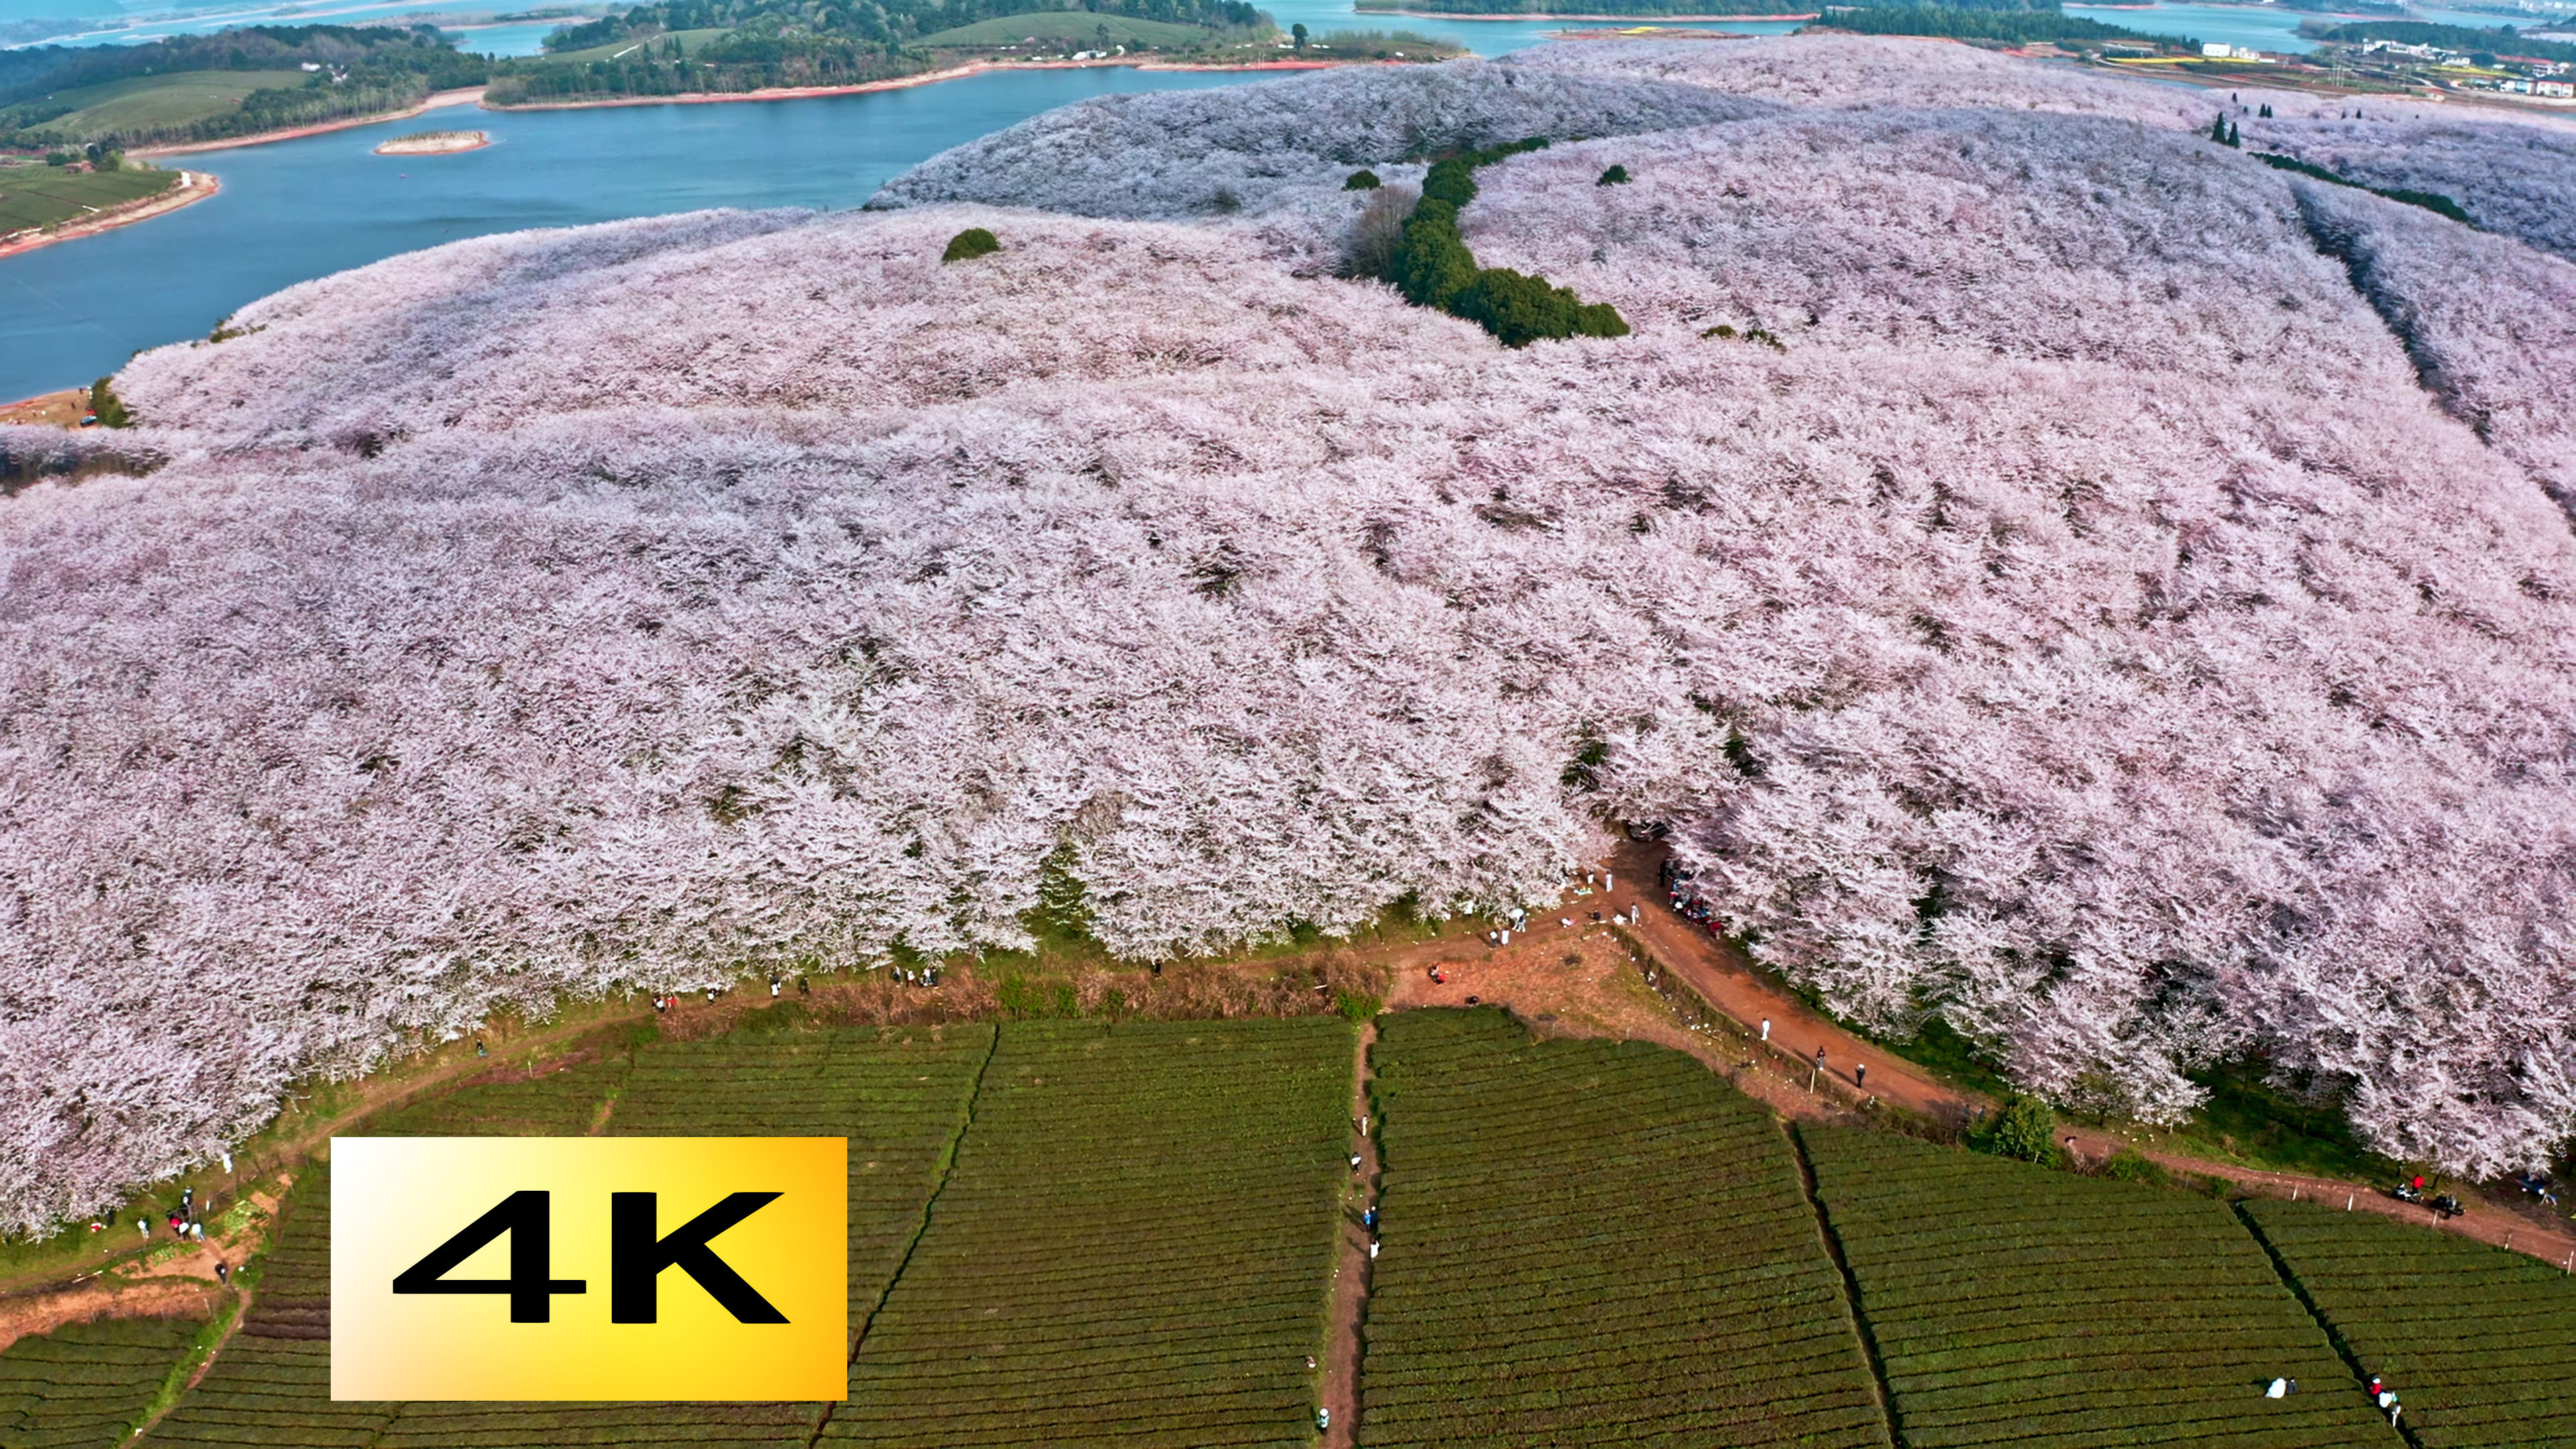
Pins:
x: 1860, y: 1075
x: 1766, y: 1028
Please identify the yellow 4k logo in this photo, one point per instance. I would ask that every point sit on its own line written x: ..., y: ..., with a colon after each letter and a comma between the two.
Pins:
x: 589, y: 1268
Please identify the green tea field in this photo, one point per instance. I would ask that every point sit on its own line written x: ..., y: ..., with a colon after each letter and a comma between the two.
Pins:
x: 1593, y: 1242
x: 1134, y: 1245
x: 1125, y: 1234
x: 2475, y: 1341
x: 87, y: 1384
x: 145, y: 104
x: 2015, y: 1304
x: 271, y: 1385
x: 36, y: 195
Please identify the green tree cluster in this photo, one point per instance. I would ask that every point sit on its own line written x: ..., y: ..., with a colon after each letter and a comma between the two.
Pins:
x: 969, y: 244
x: 2432, y: 201
x: 1957, y: 22
x: 2502, y: 40
x: 1433, y: 268
x: 774, y: 43
x: 2022, y: 1128
x: 106, y: 406
x: 359, y: 70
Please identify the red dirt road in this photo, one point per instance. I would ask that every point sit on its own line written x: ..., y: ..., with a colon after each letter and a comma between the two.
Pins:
x: 1723, y: 979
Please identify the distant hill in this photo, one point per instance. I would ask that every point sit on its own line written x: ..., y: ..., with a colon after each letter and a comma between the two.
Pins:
x: 211, y: 87
x: 684, y: 46
x: 2502, y: 40
x: 1644, y: 9
x: 1082, y: 26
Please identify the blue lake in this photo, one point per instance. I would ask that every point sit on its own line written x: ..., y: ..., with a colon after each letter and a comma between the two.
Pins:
x: 2264, y: 27
x: 294, y: 210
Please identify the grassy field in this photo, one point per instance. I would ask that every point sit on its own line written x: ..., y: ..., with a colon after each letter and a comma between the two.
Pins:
x: 2478, y: 1343
x: 2015, y: 1304
x: 39, y: 195
x: 1078, y: 28
x: 1593, y: 1242
x: 154, y: 102
x: 86, y: 1385
x: 1134, y: 1246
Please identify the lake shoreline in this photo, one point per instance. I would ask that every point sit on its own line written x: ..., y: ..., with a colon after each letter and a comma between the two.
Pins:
x: 193, y: 187
x: 436, y: 100
x: 1530, y: 17
x: 928, y: 77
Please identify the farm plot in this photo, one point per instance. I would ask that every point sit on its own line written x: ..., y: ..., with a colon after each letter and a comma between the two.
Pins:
x: 1590, y: 1242
x: 898, y: 1094
x: 2014, y: 1303
x: 2479, y: 1343
x: 83, y: 1387
x: 1134, y: 1247
x: 271, y: 1384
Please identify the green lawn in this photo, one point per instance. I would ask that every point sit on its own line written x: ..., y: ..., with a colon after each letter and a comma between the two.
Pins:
x: 47, y: 195
x: 1078, y: 28
x: 1120, y: 1235
x: 156, y: 102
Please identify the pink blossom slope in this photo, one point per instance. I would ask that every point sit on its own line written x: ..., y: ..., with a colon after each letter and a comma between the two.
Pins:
x: 2124, y: 654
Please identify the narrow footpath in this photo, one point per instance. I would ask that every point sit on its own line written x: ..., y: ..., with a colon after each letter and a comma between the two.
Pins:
x: 1340, y: 1396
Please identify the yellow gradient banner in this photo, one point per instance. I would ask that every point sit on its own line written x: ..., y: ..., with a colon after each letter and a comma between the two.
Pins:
x: 589, y: 1268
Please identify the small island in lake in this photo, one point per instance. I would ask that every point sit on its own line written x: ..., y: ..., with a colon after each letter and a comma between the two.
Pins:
x: 434, y: 143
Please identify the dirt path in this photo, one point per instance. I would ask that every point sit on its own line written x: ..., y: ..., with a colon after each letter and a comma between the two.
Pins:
x: 33, y: 1313
x: 1723, y: 979
x: 1727, y: 982
x: 2484, y: 1221
x: 1351, y: 1271
x: 50, y: 410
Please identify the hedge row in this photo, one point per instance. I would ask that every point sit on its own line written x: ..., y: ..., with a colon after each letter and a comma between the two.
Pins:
x: 1433, y: 268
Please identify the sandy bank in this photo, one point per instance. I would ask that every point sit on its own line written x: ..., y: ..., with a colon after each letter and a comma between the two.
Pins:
x: 194, y: 186
x: 435, y: 143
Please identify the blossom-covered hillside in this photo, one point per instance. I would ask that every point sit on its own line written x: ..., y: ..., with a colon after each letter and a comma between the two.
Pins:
x: 2050, y: 571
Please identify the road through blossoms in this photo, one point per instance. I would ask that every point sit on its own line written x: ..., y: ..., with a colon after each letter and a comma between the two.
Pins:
x: 2104, y: 620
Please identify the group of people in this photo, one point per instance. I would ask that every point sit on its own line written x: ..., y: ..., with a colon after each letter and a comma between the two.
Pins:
x: 1686, y: 902
x: 183, y: 1224
x: 2381, y: 1395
